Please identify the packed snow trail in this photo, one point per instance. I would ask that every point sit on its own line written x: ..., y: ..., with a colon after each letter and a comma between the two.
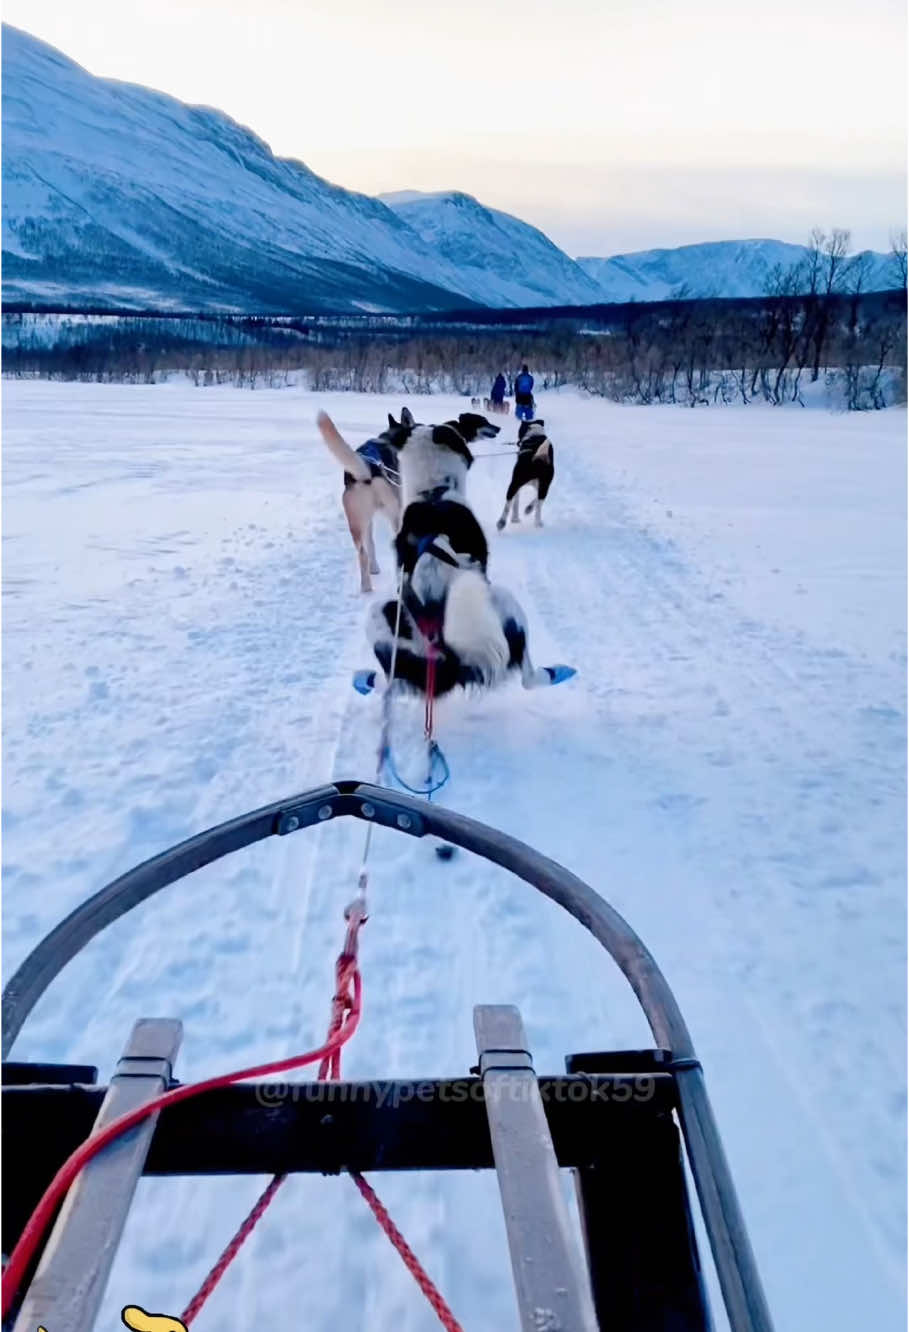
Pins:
x: 182, y: 624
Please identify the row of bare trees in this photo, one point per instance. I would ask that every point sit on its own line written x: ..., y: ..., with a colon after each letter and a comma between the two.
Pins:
x: 816, y: 319
x: 700, y: 352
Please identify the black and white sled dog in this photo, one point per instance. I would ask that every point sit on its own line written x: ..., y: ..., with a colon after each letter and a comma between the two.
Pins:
x: 474, y: 631
x: 534, y: 465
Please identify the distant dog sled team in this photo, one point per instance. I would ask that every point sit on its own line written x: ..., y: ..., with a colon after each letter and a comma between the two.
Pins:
x: 446, y: 608
x: 499, y: 396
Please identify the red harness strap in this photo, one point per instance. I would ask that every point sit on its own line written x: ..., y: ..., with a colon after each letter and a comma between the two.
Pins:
x: 430, y: 692
x: 432, y: 632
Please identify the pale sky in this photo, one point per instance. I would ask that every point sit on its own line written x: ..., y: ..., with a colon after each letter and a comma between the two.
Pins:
x: 614, y: 125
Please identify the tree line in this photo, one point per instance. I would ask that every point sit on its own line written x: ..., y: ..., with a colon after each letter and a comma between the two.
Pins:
x: 815, y: 319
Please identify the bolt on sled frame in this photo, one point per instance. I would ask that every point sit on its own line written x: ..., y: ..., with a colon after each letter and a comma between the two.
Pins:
x: 614, y: 1118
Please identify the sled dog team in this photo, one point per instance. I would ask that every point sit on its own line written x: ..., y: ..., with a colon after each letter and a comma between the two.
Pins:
x: 416, y: 476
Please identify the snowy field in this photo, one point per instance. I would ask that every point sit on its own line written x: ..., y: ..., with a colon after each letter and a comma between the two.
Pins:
x: 181, y: 621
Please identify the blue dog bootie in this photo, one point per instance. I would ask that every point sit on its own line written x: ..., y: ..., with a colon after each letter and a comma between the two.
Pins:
x: 557, y: 674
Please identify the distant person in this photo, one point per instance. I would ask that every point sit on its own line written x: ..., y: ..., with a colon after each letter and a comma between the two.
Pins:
x: 497, y: 396
x: 523, y: 395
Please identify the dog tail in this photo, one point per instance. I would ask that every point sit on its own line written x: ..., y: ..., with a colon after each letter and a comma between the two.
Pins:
x: 472, y: 626
x: 349, y: 460
x: 544, y: 452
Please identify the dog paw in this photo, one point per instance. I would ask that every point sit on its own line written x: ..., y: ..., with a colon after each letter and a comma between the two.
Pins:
x: 500, y: 524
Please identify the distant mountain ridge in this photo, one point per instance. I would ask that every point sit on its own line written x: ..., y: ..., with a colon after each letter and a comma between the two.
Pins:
x: 118, y: 196
x: 493, y: 249
x: 716, y: 268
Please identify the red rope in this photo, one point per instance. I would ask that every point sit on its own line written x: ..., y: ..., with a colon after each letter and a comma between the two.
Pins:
x: 37, y: 1224
x: 344, y: 998
x: 431, y: 631
x: 230, y: 1252
x: 344, y: 1002
x: 430, y: 690
x: 411, y: 1262
x: 345, y: 1017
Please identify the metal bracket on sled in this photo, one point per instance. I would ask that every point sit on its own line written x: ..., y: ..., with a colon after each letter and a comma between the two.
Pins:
x: 336, y: 801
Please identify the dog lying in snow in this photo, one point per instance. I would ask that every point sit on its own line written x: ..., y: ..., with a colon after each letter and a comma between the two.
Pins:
x: 534, y: 465
x: 475, y: 631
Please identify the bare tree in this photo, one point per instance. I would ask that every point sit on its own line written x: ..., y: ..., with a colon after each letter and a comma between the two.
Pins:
x: 827, y: 257
x: 835, y: 252
x: 898, y: 246
x: 857, y: 274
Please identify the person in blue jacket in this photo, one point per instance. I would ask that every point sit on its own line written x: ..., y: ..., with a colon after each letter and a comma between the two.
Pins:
x: 498, y: 390
x: 523, y: 395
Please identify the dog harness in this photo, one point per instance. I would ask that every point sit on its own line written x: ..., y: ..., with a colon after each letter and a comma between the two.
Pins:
x: 382, y: 460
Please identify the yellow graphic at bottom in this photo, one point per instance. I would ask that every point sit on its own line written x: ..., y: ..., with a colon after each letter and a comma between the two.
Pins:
x: 140, y: 1321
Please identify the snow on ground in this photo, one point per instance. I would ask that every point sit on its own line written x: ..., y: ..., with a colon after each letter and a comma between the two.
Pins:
x: 181, y: 622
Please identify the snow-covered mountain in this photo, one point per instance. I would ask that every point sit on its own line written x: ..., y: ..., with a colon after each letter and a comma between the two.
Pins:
x: 495, y: 251
x: 115, y: 194
x: 118, y: 195
x: 714, y: 268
